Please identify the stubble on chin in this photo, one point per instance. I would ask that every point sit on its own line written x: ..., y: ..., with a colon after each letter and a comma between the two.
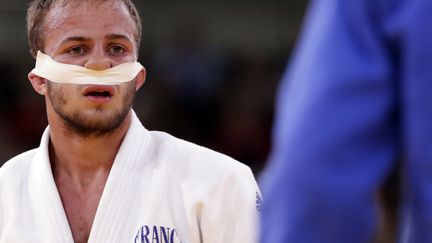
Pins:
x: 100, y: 122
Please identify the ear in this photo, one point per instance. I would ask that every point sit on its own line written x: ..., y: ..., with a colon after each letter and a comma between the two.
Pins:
x: 38, y: 83
x: 140, y: 79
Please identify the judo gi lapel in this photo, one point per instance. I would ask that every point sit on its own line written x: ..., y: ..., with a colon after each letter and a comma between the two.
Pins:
x: 128, y: 178
x: 114, y: 220
x: 45, y: 197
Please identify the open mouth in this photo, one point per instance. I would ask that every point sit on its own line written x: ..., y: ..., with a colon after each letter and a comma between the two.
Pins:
x: 99, y: 92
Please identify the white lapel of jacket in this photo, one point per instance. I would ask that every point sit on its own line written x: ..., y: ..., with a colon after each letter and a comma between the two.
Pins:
x: 115, y: 220
x: 45, y: 198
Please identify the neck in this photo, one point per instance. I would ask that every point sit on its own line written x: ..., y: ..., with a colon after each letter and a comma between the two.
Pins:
x: 80, y: 159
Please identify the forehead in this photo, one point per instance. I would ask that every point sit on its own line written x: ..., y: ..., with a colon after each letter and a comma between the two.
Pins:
x: 89, y: 19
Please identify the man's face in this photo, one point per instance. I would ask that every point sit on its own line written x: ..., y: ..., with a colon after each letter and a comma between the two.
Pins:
x: 97, y: 36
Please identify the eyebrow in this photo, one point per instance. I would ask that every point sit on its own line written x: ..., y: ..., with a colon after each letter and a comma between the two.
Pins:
x: 86, y: 39
x: 117, y: 36
x: 75, y: 38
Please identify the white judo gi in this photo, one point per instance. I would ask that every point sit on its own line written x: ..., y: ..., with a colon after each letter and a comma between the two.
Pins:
x: 160, y: 190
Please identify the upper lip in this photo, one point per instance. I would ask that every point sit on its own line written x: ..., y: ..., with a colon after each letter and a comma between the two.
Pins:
x: 99, y: 88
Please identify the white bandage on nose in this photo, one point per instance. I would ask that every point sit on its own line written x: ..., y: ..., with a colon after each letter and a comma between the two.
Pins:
x: 48, y: 68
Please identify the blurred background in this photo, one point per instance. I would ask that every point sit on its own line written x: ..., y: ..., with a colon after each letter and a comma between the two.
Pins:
x: 213, y: 69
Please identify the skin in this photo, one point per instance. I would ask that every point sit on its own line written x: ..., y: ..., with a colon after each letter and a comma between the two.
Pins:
x: 96, y: 36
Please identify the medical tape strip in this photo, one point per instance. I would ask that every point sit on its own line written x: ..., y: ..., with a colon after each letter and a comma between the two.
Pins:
x: 62, y: 73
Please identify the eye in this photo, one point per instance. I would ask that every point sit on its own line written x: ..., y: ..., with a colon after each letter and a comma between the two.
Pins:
x: 117, y: 49
x: 77, y: 50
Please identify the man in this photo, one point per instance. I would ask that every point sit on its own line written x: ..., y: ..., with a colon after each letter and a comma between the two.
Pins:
x: 99, y: 175
x: 356, y: 100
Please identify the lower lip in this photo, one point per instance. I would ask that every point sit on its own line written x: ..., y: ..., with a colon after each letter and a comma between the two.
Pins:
x: 99, y: 99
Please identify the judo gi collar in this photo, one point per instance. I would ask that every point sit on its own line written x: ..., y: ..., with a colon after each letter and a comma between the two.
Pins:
x: 62, y: 73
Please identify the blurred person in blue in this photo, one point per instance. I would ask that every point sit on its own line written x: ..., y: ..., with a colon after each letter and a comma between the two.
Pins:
x: 355, y: 100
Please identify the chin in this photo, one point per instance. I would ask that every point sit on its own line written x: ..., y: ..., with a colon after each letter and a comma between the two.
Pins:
x: 91, y: 118
x: 94, y: 122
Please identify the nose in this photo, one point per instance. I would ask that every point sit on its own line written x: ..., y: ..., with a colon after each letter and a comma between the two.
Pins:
x: 98, y: 61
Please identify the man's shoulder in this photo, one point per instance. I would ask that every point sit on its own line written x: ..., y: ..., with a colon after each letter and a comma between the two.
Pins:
x: 206, y: 175
x: 196, y: 158
x: 17, y: 166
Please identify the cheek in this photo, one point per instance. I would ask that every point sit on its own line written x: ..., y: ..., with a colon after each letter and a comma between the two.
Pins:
x: 127, y: 89
x: 127, y: 94
x: 61, y: 94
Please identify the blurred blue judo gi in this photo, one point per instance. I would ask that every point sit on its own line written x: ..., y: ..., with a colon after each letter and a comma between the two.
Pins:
x: 356, y: 98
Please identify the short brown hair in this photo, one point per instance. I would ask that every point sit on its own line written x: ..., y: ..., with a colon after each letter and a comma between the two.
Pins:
x: 38, y: 10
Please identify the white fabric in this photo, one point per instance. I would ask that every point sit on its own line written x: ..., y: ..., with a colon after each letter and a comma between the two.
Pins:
x: 57, y: 72
x: 160, y: 189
